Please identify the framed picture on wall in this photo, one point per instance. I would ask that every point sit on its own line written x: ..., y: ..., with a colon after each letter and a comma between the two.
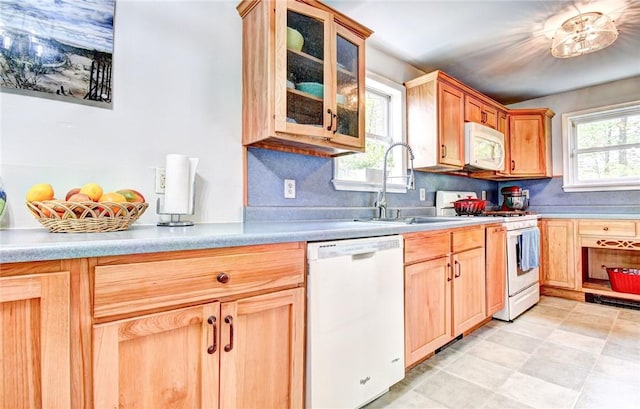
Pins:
x: 59, y: 49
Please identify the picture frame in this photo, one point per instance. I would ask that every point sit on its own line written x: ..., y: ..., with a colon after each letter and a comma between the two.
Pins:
x: 58, y: 49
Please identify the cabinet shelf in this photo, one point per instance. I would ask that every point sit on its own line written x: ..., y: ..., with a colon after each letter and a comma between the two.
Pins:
x: 603, y: 287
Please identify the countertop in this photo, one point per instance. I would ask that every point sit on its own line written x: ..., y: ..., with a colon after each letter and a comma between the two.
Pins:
x: 38, y: 244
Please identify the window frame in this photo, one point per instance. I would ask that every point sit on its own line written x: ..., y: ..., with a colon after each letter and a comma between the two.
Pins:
x: 570, y: 171
x: 397, y: 125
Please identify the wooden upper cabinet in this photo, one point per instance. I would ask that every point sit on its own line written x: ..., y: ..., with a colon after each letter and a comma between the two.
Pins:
x: 435, y: 122
x: 529, y: 150
x: 307, y: 95
x: 35, y: 341
x: 477, y: 111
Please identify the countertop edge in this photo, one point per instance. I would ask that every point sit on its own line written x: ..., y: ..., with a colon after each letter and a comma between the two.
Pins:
x: 39, y: 245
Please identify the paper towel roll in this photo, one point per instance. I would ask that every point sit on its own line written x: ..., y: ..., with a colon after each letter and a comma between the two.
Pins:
x: 192, y: 183
x: 177, y: 190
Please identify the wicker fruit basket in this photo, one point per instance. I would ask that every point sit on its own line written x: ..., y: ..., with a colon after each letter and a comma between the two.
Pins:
x: 624, y: 280
x: 86, y: 217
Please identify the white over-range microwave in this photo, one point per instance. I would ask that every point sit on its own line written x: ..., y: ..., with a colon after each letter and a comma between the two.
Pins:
x: 484, y: 147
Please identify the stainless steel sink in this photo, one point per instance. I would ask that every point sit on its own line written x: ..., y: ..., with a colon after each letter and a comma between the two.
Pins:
x: 411, y: 220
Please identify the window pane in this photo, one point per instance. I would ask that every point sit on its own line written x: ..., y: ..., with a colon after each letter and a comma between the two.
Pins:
x: 377, y: 114
x: 607, y: 165
x: 354, y: 167
x: 608, y: 132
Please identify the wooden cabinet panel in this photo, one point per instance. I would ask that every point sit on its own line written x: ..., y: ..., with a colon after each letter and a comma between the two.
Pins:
x: 477, y: 111
x: 435, y: 122
x: 496, y: 268
x: 245, y: 353
x: 427, y: 308
x: 143, y: 286
x: 450, y: 125
x: 158, y: 361
x: 462, y: 240
x: 529, y: 147
x: 468, y: 290
x: 607, y: 228
x: 262, y: 359
x: 35, y: 343
x: 425, y: 246
x: 558, y: 263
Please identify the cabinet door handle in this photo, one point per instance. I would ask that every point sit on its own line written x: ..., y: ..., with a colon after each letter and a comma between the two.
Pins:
x: 335, y: 129
x: 443, y: 151
x: 450, y: 272
x: 331, y: 116
x: 484, y: 117
x: 214, y: 345
x: 222, y: 277
x: 458, y: 270
x: 513, y: 165
x: 229, y: 320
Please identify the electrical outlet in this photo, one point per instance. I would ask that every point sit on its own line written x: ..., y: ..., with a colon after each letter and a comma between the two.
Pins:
x: 484, y: 195
x: 525, y: 193
x: 161, y: 179
x: 289, y: 189
x: 423, y: 194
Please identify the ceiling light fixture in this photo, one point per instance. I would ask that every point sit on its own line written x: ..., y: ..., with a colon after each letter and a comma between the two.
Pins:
x: 583, y: 34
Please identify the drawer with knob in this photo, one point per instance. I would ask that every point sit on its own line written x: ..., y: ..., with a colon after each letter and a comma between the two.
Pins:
x: 619, y: 228
x: 132, y: 285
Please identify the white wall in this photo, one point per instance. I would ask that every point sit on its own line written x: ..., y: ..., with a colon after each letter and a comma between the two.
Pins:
x: 177, y: 85
x: 601, y: 95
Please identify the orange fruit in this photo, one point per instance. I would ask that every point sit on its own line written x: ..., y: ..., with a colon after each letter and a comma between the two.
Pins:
x: 93, y: 190
x: 40, y: 192
x: 113, y: 197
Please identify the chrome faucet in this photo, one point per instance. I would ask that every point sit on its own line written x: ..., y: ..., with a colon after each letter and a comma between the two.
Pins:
x: 381, y: 202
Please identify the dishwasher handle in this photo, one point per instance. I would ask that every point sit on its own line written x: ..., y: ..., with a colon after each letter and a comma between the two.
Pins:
x: 362, y: 256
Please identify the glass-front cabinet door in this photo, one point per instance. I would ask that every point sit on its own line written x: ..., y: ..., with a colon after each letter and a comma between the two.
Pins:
x: 349, y: 98
x: 318, y: 76
x: 303, y: 85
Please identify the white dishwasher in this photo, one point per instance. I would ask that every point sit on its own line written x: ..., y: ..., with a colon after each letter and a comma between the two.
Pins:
x: 355, y: 321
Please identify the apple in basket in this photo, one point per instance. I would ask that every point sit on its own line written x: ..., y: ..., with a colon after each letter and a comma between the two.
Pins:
x: 79, y: 198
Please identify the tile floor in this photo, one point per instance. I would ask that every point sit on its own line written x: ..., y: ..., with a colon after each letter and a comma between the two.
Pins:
x: 559, y: 354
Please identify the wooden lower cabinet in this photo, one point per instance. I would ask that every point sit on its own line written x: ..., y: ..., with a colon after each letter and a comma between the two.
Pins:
x: 238, y: 354
x: 469, y: 296
x: 558, y: 259
x: 444, y: 290
x: 496, y: 268
x: 427, y: 307
x: 158, y: 360
x: 35, y: 339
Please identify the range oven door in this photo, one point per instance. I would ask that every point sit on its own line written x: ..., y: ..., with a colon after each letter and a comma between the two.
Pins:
x: 517, y: 279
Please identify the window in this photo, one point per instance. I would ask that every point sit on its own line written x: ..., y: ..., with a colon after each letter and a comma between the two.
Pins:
x: 384, y: 125
x: 602, y: 148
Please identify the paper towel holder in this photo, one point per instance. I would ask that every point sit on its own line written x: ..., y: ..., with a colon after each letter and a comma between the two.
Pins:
x: 175, y: 217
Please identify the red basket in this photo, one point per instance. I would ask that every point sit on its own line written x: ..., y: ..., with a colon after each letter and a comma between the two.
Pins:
x: 624, y: 280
